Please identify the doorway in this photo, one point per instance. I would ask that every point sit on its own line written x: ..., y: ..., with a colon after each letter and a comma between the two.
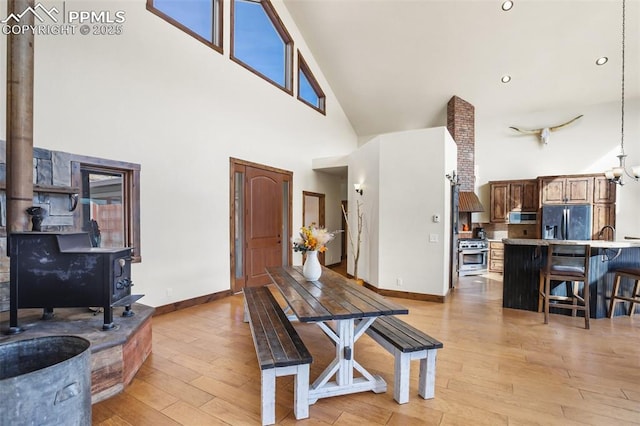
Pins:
x: 313, y: 212
x: 260, y: 227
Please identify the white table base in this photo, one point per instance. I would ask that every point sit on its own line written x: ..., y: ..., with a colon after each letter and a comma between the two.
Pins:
x: 344, y: 365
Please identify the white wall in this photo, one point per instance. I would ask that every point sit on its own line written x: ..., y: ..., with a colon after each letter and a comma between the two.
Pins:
x: 589, y: 145
x: 403, y: 176
x: 364, y: 168
x: 158, y: 97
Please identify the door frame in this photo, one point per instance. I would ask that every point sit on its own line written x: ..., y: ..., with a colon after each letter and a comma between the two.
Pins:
x: 238, y: 165
x: 344, y: 207
x: 321, y: 213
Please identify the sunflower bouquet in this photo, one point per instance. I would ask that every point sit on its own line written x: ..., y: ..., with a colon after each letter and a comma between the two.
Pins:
x: 312, y: 238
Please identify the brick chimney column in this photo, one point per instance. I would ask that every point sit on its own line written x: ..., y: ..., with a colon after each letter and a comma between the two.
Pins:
x: 461, y: 126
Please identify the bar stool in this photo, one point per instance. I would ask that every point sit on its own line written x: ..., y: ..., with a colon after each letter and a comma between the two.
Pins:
x: 634, y: 274
x: 569, y: 264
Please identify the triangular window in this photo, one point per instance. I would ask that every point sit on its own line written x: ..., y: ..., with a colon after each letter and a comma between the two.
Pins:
x: 309, y: 90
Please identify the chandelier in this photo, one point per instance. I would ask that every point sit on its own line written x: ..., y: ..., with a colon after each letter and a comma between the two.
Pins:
x: 616, y: 174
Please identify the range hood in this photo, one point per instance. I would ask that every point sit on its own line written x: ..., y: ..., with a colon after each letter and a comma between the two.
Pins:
x: 469, y: 202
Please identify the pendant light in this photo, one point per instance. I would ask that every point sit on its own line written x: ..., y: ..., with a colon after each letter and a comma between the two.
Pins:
x: 616, y: 174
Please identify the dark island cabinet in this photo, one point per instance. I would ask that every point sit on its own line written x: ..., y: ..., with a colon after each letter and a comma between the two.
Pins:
x: 522, y: 264
x: 520, y: 276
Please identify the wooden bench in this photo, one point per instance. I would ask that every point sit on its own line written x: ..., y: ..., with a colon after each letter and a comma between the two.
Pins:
x: 407, y: 343
x: 280, y: 352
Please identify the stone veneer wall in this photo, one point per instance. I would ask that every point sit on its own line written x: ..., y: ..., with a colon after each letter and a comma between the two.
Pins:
x: 49, y: 168
x: 461, y: 126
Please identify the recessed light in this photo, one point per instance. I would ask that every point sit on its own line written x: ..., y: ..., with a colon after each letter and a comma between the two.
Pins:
x: 602, y: 60
x: 507, y: 5
x: 505, y: 78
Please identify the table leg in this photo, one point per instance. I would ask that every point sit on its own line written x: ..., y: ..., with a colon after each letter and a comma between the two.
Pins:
x: 344, y: 352
x: 344, y: 364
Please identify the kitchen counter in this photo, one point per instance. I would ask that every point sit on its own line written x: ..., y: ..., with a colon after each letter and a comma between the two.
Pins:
x: 592, y: 243
x: 523, y: 259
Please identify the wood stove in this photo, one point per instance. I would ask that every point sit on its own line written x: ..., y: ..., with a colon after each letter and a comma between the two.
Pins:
x: 61, y: 270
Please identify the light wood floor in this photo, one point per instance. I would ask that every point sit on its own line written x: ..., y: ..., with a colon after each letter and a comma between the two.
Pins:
x: 498, y: 367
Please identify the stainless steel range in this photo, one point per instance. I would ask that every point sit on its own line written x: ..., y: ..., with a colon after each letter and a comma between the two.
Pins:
x: 473, y: 256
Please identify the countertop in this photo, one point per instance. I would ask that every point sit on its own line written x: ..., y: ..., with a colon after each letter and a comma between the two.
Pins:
x: 592, y: 243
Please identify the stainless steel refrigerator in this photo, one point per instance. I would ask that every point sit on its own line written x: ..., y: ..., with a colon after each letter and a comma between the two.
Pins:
x: 566, y: 222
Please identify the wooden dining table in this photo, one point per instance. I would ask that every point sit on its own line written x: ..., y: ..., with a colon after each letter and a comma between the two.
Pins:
x: 344, y: 311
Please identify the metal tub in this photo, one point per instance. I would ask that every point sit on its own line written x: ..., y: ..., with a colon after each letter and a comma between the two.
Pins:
x: 45, y: 381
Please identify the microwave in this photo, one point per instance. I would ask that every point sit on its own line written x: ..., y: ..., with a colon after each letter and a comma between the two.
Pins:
x: 523, y: 218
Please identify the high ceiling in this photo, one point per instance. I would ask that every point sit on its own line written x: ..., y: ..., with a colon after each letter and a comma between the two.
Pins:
x: 394, y: 64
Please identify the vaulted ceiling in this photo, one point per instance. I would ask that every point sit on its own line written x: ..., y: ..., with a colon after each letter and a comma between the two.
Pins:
x: 394, y: 64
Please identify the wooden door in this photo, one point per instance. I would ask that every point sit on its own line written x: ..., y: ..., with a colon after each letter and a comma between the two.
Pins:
x: 260, y: 222
x: 263, y: 224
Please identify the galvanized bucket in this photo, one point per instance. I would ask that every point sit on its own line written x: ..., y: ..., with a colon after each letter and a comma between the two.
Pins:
x: 45, y: 381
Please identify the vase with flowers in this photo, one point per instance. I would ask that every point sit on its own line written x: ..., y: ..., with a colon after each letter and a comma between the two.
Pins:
x: 311, y: 241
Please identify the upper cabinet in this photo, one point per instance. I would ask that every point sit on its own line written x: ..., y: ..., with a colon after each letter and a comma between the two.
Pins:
x: 566, y: 189
x: 499, y: 202
x: 523, y: 195
x: 604, y: 191
x: 526, y: 195
x: 512, y: 196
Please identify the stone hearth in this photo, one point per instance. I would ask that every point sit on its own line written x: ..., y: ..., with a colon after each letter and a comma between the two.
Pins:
x: 116, y: 355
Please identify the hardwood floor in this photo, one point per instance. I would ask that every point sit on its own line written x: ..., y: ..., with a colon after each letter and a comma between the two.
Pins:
x: 498, y: 367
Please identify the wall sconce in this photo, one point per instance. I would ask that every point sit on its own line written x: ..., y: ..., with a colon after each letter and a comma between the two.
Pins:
x: 358, y: 188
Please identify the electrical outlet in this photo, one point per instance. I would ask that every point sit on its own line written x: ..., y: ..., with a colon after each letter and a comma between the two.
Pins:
x: 399, y: 282
x: 169, y: 291
x: 433, y: 238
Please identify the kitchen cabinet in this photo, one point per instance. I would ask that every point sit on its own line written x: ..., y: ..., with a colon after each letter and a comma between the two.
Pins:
x: 523, y: 196
x: 604, y: 207
x: 499, y: 202
x: 595, y: 190
x: 604, y: 191
x: 496, y: 256
x: 512, y: 195
x: 567, y: 189
x: 603, y: 214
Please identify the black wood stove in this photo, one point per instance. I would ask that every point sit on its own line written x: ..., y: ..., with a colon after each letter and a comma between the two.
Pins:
x: 61, y: 270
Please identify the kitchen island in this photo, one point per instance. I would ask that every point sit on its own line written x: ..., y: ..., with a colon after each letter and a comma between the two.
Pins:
x: 523, y: 259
